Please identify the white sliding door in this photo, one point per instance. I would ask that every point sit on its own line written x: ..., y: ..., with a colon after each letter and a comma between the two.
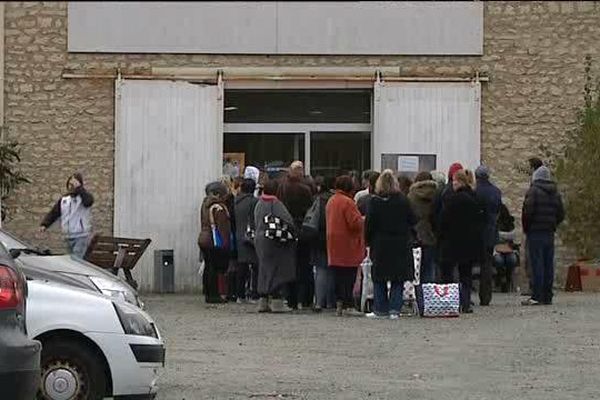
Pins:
x: 168, y: 146
x: 441, y: 119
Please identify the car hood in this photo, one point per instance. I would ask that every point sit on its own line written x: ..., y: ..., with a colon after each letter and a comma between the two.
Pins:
x: 69, y: 265
x: 40, y: 274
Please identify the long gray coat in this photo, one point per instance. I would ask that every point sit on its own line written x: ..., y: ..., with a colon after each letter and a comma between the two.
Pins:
x: 244, y: 211
x: 277, y: 262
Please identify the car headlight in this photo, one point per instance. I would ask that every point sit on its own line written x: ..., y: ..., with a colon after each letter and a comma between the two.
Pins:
x: 114, y: 290
x: 133, y: 321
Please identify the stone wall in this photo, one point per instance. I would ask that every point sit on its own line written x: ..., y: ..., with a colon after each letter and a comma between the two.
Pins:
x: 533, y: 52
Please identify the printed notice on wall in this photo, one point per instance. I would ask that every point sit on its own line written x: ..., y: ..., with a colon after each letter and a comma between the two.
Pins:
x: 408, y: 163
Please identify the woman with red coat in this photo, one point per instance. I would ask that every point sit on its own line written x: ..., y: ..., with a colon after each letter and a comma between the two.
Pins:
x: 345, y: 240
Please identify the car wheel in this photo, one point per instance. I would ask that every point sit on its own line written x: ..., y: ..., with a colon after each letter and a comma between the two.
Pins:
x: 71, y: 371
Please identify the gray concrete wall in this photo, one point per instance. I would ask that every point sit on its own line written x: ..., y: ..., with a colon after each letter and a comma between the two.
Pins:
x: 350, y: 27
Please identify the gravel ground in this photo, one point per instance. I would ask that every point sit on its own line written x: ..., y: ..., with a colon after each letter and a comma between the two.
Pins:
x: 504, y: 351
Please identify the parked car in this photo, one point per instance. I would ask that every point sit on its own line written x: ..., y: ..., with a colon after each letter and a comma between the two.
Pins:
x: 34, y: 260
x: 93, y: 346
x: 19, y: 355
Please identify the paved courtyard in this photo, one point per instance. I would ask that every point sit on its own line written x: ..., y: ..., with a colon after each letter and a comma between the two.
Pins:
x: 501, y: 352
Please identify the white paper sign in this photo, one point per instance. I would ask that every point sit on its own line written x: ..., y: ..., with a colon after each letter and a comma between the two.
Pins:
x: 408, y: 163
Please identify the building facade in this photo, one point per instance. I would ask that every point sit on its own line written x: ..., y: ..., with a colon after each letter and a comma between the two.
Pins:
x: 146, y: 100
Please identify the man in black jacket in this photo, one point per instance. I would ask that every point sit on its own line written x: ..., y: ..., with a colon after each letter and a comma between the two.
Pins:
x: 543, y: 211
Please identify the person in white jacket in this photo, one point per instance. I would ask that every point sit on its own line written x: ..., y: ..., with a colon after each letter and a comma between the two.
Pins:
x: 74, y: 210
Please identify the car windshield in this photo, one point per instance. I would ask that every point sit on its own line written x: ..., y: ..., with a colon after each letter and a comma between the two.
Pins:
x: 9, y: 241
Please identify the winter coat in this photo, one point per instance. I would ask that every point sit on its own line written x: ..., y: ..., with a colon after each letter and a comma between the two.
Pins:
x: 277, y: 261
x: 422, y: 200
x: 543, y: 208
x: 492, y: 198
x: 75, y: 213
x: 388, y: 233
x: 363, y: 203
x: 296, y: 196
x: 318, y: 249
x: 244, y: 216
x: 441, y: 196
x: 222, y: 221
x: 230, y: 204
x: 462, y: 224
x: 345, y: 232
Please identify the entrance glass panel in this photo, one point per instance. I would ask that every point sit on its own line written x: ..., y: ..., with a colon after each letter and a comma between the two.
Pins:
x: 297, y: 106
x: 272, y: 152
x: 333, y: 153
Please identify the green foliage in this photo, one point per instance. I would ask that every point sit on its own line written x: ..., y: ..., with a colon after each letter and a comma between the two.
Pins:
x: 10, y: 174
x: 578, y: 175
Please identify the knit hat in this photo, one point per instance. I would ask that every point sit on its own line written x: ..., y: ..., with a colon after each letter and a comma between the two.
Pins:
x: 454, y: 168
x: 482, y: 172
x: 542, y: 174
x: 252, y: 173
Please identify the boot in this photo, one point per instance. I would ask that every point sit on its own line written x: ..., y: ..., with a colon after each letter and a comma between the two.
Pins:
x: 278, y: 307
x: 263, y: 305
x: 339, y: 308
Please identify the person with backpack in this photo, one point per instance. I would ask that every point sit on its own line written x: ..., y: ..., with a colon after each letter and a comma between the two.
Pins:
x: 275, y: 243
x: 247, y: 262
x: 543, y: 212
x: 215, y: 241
x: 74, y: 210
x: 324, y: 276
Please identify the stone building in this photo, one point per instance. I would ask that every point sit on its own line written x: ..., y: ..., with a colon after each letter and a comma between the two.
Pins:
x: 142, y: 100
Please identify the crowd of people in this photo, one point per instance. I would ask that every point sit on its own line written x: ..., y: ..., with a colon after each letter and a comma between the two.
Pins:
x: 293, y: 242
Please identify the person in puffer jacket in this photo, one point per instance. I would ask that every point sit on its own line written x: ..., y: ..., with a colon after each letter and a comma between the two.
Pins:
x: 543, y: 212
x: 74, y: 210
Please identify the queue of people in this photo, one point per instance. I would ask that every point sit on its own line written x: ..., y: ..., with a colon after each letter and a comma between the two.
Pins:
x: 292, y: 242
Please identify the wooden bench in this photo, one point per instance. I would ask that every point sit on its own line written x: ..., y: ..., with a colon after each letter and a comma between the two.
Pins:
x: 116, y: 253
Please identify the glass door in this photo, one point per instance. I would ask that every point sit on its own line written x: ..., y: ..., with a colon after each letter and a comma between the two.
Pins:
x: 335, y: 153
x: 271, y: 152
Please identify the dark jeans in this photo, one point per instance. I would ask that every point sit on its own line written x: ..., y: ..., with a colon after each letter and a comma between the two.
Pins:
x: 216, y: 263
x: 540, y: 246
x: 324, y: 283
x: 246, y: 280
x: 505, y: 264
x: 384, y: 305
x: 303, y: 289
x: 344, y: 283
x: 427, y: 264
x: 486, y: 278
x: 465, y: 277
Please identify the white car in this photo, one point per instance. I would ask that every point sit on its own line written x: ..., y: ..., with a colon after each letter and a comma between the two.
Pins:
x: 92, y: 345
x: 81, y: 273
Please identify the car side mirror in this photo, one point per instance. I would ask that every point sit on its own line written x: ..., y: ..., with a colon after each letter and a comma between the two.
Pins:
x: 14, y: 253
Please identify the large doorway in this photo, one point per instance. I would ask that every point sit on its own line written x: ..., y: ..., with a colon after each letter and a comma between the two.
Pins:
x: 329, y: 130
